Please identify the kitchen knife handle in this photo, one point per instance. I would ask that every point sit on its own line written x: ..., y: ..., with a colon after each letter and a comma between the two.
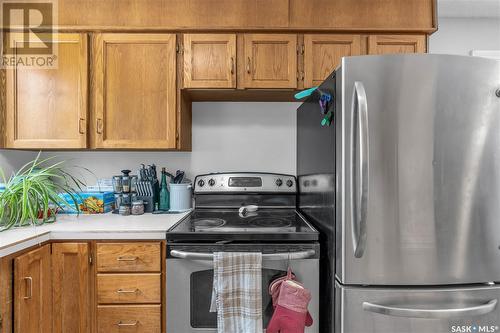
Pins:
x: 359, y: 193
x: 472, y: 311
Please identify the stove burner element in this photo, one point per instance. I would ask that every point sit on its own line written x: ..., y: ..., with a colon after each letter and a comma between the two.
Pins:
x: 270, y: 222
x: 208, y: 223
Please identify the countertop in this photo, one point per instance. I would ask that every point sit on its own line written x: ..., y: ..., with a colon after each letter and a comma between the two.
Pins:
x: 101, y: 226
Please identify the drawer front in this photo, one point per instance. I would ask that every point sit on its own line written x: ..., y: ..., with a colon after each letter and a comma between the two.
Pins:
x: 399, y: 310
x: 129, y: 288
x: 128, y: 257
x: 128, y: 318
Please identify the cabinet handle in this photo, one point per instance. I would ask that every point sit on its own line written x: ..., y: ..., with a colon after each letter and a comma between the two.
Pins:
x: 99, y: 126
x: 81, y: 126
x: 29, y: 287
x: 131, y: 323
x: 127, y: 258
x: 122, y: 291
x: 232, y: 65
x: 249, y: 61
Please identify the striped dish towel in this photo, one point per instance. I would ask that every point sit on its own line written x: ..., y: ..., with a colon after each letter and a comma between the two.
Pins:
x: 237, y: 292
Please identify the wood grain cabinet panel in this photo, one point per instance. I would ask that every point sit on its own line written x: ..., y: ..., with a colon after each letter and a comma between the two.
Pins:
x: 129, y: 318
x: 270, y: 61
x: 129, y: 288
x: 396, y: 15
x: 128, y: 257
x: 135, y: 91
x: 323, y: 53
x: 395, y: 44
x: 71, y: 287
x: 47, y: 108
x: 33, y: 292
x: 209, y: 61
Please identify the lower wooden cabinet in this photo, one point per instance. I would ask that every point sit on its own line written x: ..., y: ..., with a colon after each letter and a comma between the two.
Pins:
x: 33, y: 292
x: 129, y: 318
x: 56, y: 288
x: 71, y: 288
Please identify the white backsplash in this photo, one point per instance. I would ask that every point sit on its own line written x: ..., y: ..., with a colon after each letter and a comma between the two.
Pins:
x: 229, y: 136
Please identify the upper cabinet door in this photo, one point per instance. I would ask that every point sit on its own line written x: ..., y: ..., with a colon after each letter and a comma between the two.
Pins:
x: 270, y: 61
x: 33, y: 292
x: 135, y: 91
x: 393, y: 44
x: 209, y: 61
x: 323, y: 53
x: 47, y: 108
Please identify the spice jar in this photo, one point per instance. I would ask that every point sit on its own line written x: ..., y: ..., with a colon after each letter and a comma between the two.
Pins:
x: 137, y: 207
x: 125, y: 210
x: 126, y: 181
x: 117, y: 184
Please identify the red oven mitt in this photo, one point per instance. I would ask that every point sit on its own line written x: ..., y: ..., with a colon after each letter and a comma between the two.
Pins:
x: 291, y: 309
x: 274, y: 291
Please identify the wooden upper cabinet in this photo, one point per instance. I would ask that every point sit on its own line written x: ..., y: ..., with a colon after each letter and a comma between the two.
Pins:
x: 175, y: 14
x: 210, y: 61
x: 323, y: 53
x: 71, y: 287
x: 135, y: 91
x: 387, y: 15
x: 33, y: 292
x: 270, y: 61
x: 47, y: 108
x: 394, y: 44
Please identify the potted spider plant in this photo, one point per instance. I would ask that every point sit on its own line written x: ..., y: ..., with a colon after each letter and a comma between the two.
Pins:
x: 32, y: 194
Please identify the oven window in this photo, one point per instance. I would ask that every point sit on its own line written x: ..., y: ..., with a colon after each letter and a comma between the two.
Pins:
x: 201, y: 296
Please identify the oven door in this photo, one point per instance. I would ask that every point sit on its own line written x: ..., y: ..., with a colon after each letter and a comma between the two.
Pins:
x: 190, y: 279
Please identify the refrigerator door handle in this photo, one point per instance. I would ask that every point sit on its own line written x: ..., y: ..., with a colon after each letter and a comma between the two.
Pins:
x: 431, y: 313
x: 359, y: 194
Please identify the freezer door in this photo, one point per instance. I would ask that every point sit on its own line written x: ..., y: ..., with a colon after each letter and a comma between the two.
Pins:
x: 369, y: 310
x: 418, y: 162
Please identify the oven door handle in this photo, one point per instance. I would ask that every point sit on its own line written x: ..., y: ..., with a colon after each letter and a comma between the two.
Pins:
x: 268, y: 256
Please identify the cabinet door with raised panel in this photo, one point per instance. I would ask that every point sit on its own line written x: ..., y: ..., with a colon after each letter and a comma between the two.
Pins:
x: 33, y: 292
x: 71, y: 287
x: 135, y: 91
x: 209, y: 61
x: 323, y: 53
x: 394, y: 44
x: 46, y: 107
x: 270, y: 61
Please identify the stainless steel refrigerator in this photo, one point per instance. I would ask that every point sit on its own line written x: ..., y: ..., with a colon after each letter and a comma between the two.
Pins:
x: 405, y: 187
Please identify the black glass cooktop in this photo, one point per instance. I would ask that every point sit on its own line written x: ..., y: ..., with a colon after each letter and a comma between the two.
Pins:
x: 230, y: 224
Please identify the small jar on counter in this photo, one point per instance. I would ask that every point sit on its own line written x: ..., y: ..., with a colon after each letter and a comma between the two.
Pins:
x: 125, y: 210
x: 138, y: 207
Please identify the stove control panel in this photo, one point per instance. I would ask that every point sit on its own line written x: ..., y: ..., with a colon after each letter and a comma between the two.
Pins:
x: 245, y: 182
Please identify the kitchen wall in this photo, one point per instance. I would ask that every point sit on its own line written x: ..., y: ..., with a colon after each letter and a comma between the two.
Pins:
x: 254, y: 136
x: 11, y: 161
x: 231, y: 136
x: 461, y: 35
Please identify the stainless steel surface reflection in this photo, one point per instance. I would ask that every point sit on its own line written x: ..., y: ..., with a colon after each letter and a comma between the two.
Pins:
x: 433, y: 175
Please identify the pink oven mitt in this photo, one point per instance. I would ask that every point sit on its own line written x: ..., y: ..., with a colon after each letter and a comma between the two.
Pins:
x: 291, y: 309
x: 274, y: 291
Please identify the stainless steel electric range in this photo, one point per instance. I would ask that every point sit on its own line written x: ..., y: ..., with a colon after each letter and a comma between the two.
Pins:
x: 238, y: 212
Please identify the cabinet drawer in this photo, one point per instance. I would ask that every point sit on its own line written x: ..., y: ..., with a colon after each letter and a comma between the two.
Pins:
x: 128, y: 257
x: 128, y: 288
x: 129, y: 318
